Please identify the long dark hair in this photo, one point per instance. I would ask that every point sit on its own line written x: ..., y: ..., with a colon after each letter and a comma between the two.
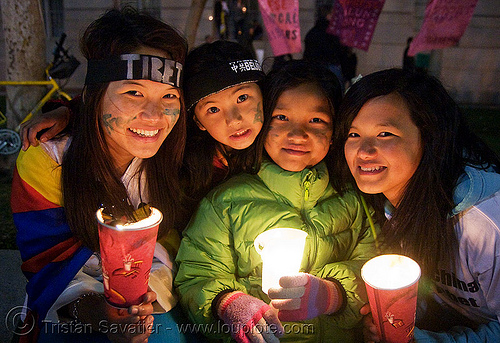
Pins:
x: 292, y: 74
x: 421, y: 226
x: 89, y: 177
x: 197, y: 171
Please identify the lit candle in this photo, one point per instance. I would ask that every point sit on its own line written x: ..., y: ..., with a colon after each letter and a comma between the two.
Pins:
x: 281, y: 250
x: 127, y: 254
x: 391, y: 283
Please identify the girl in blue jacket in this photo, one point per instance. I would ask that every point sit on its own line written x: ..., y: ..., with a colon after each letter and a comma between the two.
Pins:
x: 406, y: 142
x: 220, y: 272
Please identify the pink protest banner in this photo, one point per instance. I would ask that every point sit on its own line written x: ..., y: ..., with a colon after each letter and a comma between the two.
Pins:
x: 444, y: 24
x: 354, y: 21
x: 281, y: 19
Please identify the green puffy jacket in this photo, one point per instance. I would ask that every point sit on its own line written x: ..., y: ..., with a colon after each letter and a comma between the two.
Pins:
x: 217, y: 250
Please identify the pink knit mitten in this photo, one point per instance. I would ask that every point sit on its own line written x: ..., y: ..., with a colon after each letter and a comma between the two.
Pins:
x: 250, y: 319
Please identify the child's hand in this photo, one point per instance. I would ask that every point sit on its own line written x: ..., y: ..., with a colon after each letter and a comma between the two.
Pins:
x: 304, y: 296
x: 118, y: 324
x: 133, y: 324
x: 250, y: 319
x: 370, y: 333
x: 146, y: 307
x: 52, y: 122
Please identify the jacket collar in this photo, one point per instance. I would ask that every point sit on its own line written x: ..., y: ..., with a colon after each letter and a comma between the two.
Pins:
x: 302, y: 189
x: 473, y: 186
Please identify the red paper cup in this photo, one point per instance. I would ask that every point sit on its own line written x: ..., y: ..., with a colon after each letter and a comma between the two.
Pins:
x: 391, y: 283
x: 127, y: 255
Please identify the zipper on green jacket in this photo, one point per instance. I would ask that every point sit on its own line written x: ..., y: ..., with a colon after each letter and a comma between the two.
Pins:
x: 307, y: 185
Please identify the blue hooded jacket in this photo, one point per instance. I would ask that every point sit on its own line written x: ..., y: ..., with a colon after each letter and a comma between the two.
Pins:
x: 474, y: 186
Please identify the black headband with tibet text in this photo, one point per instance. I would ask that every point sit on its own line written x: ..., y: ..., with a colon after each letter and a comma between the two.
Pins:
x: 134, y: 67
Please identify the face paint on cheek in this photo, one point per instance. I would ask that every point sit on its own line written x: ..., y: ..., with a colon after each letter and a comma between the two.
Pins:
x: 323, y: 134
x: 113, y: 123
x: 171, y: 112
x: 108, y: 122
x: 259, y: 115
x: 273, y: 132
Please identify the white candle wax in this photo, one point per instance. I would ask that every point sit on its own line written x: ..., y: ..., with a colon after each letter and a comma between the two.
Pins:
x: 281, y: 250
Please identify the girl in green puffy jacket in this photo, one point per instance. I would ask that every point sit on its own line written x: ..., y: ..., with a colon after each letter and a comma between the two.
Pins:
x: 220, y: 272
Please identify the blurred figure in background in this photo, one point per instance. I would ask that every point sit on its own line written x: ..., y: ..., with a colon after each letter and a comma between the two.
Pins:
x: 408, y: 61
x: 221, y: 15
x: 322, y: 47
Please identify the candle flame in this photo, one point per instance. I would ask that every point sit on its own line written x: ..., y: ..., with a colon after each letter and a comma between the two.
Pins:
x: 153, y: 219
x: 390, y: 272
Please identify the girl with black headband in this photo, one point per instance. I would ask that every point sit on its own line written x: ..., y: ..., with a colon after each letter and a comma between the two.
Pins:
x: 224, y: 105
x: 127, y: 150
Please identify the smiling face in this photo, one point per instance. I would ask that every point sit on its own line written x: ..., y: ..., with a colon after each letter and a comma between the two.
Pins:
x: 384, y: 147
x: 233, y: 116
x: 301, y: 128
x: 137, y: 116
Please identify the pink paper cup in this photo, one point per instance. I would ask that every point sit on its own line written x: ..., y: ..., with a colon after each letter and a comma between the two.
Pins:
x: 127, y: 254
x: 392, y: 283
